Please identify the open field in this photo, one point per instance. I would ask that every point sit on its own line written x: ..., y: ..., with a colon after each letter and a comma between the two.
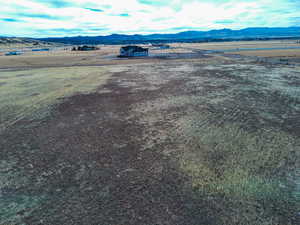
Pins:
x: 269, y: 49
x: 60, y: 58
x: 187, y: 139
x: 242, y: 44
x: 30, y: 92
x: 289, y: 53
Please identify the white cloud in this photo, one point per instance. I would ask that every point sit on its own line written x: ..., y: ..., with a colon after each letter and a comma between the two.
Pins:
x: 43, y: 18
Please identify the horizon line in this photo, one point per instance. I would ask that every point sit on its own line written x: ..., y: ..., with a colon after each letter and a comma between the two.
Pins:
x: 151, y: 33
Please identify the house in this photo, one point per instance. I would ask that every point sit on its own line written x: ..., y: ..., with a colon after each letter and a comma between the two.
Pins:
x: 133, y: 51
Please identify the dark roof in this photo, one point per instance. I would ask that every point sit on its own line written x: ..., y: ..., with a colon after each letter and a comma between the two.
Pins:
x: 134, y: 48
x: 159, y: 45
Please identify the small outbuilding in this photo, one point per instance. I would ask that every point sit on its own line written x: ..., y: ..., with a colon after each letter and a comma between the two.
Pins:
x: 85, y: 48
x: 41, y: 50
x: 133, y: 51
x: 161, y: 46
x: 12, y: 53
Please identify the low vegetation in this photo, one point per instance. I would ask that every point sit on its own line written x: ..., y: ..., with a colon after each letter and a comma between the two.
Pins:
x: 239, y: 143
x: 31, y: 93
x: 214, y: 142
x: 244, y: 160
x: 243, y: 177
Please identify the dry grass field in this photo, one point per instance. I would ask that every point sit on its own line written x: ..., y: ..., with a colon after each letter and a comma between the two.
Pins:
x: 32, y: 91
x: 241, y: 44
x: 87, y: 138
x: 289, y: 53
x: 264, y: 45
x: 60, y: 58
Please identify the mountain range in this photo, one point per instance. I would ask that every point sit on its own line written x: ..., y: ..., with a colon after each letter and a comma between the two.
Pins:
x: 187, y: 36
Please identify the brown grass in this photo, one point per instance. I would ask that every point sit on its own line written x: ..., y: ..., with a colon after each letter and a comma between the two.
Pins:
x: 241, y: 175
x: 31, y: 93
x: 239, y: 44
x: 289, y: 53
x: 228, y: 124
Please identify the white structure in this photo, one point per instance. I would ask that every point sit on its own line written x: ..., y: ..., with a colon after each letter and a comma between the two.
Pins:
x: 133, y: 51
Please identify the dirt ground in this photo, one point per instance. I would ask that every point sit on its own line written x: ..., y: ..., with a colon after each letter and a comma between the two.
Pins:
x: 281, y: 53
x: 290, y: 53
x: 208, y: 139
x: 63, y: 56
x: 240, y: 44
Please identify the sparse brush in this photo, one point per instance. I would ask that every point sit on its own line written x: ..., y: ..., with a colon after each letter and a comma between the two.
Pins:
x: 31, y: 93
x: 241, y: 175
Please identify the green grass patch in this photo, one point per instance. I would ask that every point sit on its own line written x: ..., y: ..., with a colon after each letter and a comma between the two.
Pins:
x: 31, y: 93
x: 242, y: 175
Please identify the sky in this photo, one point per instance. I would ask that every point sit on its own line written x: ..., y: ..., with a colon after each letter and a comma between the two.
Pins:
x: 57, y: 18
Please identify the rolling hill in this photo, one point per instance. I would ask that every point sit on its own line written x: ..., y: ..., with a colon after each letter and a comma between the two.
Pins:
x: 187, y: 36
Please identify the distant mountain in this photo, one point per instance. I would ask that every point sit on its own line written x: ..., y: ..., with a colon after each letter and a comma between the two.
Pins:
x: 187, y: 36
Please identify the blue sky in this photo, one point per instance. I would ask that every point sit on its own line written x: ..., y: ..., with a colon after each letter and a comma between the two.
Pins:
x: 42, y: 18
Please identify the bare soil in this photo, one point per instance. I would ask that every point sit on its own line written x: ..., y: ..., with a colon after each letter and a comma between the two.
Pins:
x: 134, y: 151
x: 92, y: 167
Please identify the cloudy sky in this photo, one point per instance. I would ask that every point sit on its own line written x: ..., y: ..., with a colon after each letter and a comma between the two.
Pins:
x: 41, y: 18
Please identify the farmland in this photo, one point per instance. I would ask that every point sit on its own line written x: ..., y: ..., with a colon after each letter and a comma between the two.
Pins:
x: 183, y: 137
